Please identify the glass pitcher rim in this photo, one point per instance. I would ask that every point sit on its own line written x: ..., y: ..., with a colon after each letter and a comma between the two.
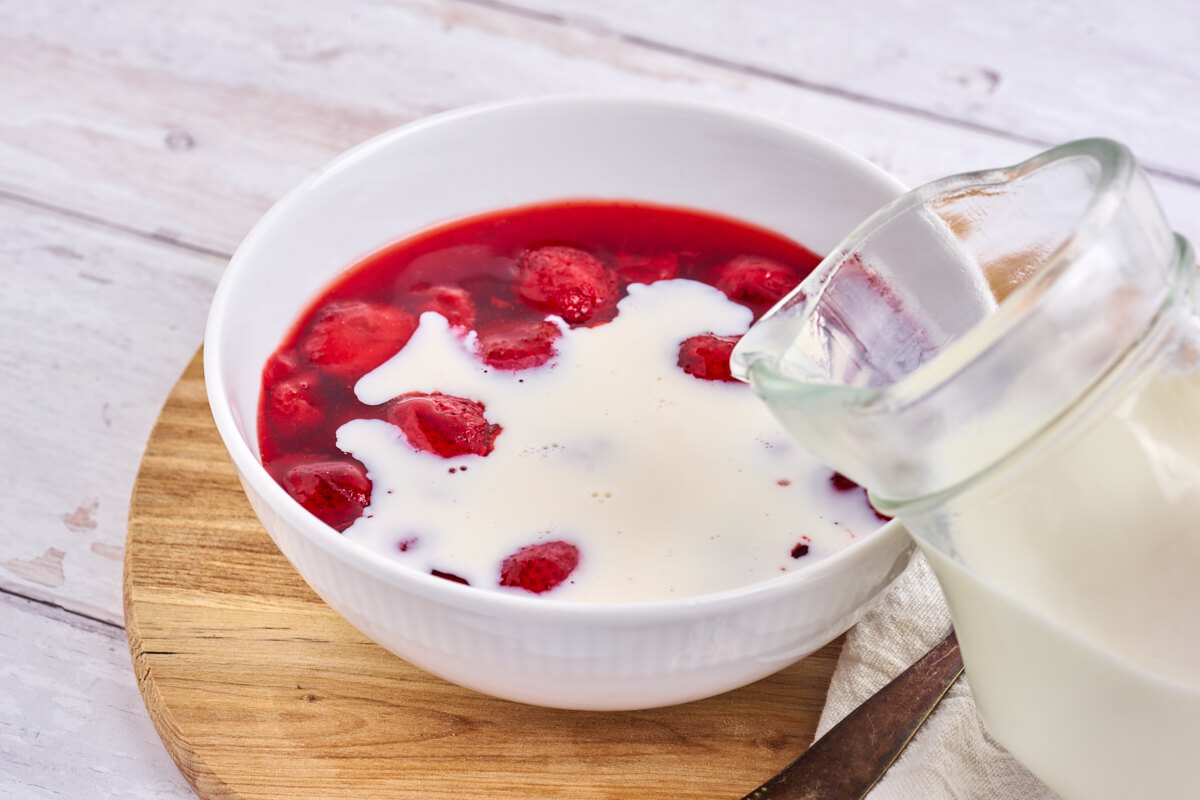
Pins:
x: 1116, y: 171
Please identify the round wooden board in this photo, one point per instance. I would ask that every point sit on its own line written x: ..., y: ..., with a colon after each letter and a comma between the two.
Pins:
x: 259, y: 690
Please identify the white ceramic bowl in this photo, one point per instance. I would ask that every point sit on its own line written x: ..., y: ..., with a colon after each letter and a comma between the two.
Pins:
x: 538, y: 650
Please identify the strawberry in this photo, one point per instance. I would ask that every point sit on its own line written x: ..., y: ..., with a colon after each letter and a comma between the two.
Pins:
x: 282, y: 365
x: 646, y: 269
x: 443, y: 424
x: 571, y: 282
x: 452, y: 302
x: 336, y: 491
x: 706, y: 356
x: 348, y: 339
x: 295, y: 404
x: 539, y: 567
x: 523, y: 346
x: 293, y: 395
x: 755, y: 279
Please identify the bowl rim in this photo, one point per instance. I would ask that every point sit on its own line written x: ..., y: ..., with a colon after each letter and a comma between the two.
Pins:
x: 471, y: 598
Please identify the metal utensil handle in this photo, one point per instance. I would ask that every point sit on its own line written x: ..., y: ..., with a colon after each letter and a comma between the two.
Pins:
x: 852, y: 756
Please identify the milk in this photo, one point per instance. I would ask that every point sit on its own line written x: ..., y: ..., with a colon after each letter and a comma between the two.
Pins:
x: 670, y: 486
x: 1078, y: 605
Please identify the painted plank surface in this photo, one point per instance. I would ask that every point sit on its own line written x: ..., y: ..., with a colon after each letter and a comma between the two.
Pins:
x: 1048, y: 72
x: 206, y: 113
x: 96, y: 326
x: 261, y: 692
x: 71, y: 722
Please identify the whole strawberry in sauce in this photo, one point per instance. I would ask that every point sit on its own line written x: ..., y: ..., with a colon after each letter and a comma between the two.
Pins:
x: 452, y: 302
x: 521, y: 346
x: 756, y: 280
x: 294, y: 397
x: 566, y: 280
x: 349, y: 339
x: 443, y: 424
x: 335, y: 491
x: 706, y: 356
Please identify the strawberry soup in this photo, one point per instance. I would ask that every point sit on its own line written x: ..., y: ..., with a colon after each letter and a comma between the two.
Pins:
x: 539, y: 401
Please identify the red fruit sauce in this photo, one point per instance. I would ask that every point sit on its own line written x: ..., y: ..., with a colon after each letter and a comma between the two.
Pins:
x: 499, y: 274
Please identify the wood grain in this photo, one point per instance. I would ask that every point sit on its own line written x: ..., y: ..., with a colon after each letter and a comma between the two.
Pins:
x: 260, y: 691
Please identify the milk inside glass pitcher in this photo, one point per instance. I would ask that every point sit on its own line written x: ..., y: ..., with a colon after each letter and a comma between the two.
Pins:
x: 1009, y: 361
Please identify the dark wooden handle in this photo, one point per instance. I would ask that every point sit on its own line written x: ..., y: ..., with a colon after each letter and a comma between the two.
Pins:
x: 853, y: 755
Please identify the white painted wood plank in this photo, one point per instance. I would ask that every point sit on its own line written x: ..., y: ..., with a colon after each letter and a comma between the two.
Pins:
x: 72, y: 723
x: 96, y: 326
x: 1048, y: 71
x: 187, y: 120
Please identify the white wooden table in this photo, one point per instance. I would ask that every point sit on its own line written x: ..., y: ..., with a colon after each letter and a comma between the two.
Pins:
x: 139, y: 141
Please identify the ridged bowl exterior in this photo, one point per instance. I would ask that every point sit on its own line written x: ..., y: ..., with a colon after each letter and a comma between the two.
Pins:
x: 534, y: 649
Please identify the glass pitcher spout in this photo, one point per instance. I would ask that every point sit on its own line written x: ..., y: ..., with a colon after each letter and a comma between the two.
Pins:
x: 967, y: 315
x: 1009, y: 361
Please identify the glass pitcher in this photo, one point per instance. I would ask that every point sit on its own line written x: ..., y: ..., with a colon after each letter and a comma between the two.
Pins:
x: 1009, y: 361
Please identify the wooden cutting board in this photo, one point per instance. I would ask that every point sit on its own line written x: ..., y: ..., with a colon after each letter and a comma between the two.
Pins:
x: 259, y: 690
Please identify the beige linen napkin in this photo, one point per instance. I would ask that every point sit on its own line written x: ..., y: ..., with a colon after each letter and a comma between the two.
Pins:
x: 952, y: 757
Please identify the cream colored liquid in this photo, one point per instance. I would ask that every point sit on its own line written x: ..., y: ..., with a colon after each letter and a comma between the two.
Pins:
x: 1079, y: 607
x: 669, y: 485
